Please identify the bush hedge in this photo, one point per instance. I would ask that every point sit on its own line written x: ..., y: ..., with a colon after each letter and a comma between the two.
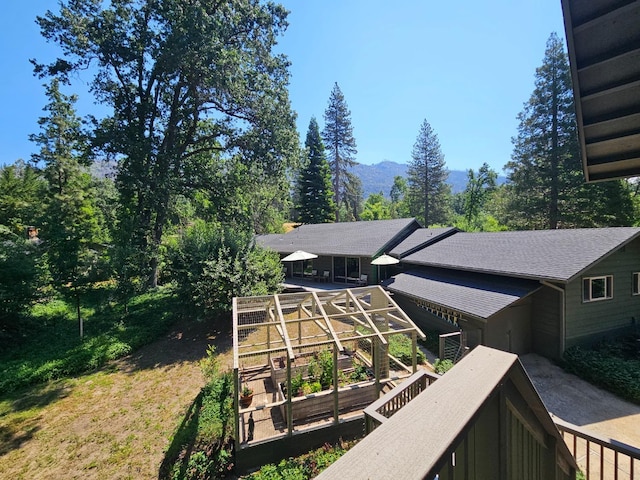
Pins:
x: 614, y: 366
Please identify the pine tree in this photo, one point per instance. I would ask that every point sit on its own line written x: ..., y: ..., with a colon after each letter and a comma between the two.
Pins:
x: 428, y: 193
x: 546, y: 187
x: 71, y: 226
x: 341, y: 149
x: 315, y: 192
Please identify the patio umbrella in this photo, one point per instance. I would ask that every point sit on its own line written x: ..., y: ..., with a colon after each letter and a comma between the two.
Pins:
x: 299, y: 255
x: 384, y: 260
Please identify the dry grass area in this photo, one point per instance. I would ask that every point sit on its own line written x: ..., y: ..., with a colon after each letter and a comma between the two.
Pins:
x: 112, y: 424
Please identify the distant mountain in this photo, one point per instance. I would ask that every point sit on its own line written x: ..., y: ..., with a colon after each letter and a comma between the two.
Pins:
x: 379, y: 177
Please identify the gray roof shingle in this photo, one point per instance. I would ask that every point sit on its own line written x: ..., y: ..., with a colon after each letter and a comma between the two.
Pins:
x: 363, y: 239
x: 420, y: 238
x: 556, y: 255
x: 475, y: 294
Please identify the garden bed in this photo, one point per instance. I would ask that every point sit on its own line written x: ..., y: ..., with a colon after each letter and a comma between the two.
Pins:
x: 321, y: 403
x: 301, y: 365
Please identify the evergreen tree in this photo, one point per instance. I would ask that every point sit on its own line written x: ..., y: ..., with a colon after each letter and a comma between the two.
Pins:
x: 341, y: 149
x: 428, y: 193
x: 546, y: 187
x: 315, y: 192
x: 71, y: 227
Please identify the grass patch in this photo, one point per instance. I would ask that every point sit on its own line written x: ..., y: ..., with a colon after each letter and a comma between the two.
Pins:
x: 613, y: 365
x: 52, y: 347
x: 400, y: 346
x: 303, y: 467
x: 201, y: 445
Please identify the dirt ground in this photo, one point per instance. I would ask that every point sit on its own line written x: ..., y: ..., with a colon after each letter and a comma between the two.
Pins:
x: 112, y: 424
x: 576, y: 401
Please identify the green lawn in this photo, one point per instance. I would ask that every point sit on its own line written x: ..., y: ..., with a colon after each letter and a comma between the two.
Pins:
x: 50, y: 346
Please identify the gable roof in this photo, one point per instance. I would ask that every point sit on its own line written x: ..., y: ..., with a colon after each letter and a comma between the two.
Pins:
x: 410, y: 444
x: 556, y: 255
x: 364, y: 239
x: 478, y: 295
x: 420, y: 239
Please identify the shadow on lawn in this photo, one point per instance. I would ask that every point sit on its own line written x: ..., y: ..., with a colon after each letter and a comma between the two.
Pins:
x: 17, y: 426
x: 187, y: 341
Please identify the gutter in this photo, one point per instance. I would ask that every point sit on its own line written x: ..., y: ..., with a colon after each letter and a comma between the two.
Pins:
x: 563, y: 320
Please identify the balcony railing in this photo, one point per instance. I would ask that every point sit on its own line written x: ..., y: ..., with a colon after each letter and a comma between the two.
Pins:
x: 383, y: 408
x: 600, y: 458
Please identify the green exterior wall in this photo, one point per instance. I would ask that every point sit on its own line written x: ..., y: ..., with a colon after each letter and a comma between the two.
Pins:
x: 546, y: 331
x: 587, y: 322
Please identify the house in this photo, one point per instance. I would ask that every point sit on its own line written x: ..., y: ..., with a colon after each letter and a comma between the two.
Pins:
x: 483, y: 419
x: 526, y: 291
x: 603, y: 40
x: 345, y: 250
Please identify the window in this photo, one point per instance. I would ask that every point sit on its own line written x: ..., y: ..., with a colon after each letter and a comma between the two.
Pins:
x: 636, y: 283
x: 597, y: 288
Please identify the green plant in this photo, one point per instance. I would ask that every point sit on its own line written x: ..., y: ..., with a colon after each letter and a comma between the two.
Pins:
x: 246, y: 391
x: 400, y: 346
x: 54, y: 349
x: 306, y: 466
x: 443, y: 366
x: 610, y: 365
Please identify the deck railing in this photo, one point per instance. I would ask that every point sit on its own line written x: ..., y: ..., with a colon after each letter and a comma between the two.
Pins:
x: 383, y: 408
x: 600, y: 458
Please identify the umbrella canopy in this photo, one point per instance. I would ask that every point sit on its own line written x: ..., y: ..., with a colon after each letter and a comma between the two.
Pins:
x: 299, y: 255
x: 385, y: 260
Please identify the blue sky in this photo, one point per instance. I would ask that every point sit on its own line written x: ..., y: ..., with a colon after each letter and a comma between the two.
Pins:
x: 467, y: 67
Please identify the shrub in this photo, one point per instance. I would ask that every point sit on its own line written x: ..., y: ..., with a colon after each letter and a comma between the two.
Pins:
x: 442, y: 366
x: 607, y: 365
x: 400, y: 346
x: 212, y: 264
x: 303, y: 467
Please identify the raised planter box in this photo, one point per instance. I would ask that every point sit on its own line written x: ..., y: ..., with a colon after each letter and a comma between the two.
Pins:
x: 279, y: 374
x: 321, y: 403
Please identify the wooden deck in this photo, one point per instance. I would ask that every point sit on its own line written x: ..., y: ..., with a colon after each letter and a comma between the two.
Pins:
x: 267, y: 418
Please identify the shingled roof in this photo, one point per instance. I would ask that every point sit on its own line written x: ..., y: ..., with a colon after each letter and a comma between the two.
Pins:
x: 364, y: 239
x: 474, y: 294
x: 555, y: 255
x: 421, y: 238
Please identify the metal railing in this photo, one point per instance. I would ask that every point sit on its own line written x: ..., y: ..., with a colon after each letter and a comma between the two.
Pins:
x: 383, y: 408
x: 600, y: 458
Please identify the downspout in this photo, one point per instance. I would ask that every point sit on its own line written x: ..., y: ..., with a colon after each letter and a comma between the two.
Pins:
x: 563, y: 325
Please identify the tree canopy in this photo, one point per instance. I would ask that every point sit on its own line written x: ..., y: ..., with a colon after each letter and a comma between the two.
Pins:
x: 192, y: 86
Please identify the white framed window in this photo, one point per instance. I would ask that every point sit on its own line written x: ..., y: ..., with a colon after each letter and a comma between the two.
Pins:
x: 635, y: 289
x: 597, y: 288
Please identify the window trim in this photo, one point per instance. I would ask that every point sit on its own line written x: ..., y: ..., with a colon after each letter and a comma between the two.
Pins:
x: 608, y: 287
x: 635, y: 283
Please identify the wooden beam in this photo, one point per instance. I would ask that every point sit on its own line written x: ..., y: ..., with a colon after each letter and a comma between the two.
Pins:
x: 369, y: 319
x: 285, y: 334
x: 328, y: 323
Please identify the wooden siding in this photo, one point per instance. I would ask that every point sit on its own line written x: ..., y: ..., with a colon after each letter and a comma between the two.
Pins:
x: 510, y: 329
x: 546, y: 320
x: 590, y: 321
